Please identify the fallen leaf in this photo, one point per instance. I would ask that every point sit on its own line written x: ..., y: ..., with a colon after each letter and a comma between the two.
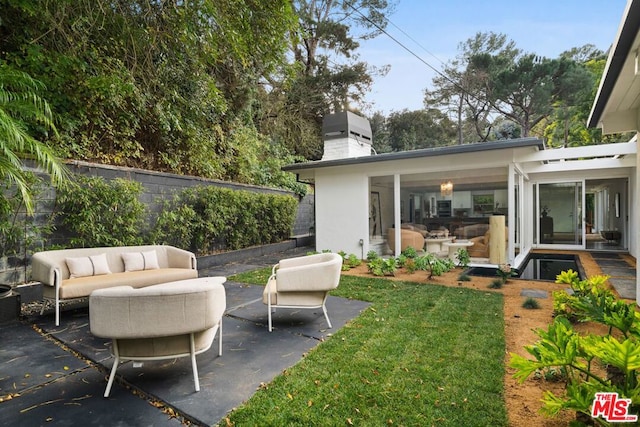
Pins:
x: 349, y: 421
x: 309, y: 404
x: 289, y: 396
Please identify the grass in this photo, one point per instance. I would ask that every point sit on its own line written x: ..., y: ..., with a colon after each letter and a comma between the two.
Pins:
x: 419, y: 355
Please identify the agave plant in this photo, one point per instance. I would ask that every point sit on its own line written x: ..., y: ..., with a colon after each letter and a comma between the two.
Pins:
x: 21, y: 107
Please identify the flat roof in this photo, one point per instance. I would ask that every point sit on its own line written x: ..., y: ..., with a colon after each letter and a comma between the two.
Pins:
x: 424, y: 152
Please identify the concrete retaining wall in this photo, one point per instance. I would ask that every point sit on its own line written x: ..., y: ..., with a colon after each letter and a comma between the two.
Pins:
x: 157, y: 187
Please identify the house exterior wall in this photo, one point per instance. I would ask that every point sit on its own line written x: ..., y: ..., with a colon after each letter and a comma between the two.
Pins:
x: 343, y: 190
x: 342, y: 207
x: 634, y: 219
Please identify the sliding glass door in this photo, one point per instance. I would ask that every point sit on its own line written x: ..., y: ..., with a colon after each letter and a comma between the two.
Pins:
x: 559, y: 212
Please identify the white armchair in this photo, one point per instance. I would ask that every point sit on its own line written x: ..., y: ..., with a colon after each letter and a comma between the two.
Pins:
x: 302, y: 282
x: 166, y: 321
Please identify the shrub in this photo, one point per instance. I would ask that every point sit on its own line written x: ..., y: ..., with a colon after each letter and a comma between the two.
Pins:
x: 382, y: 267
x: 20, y: 232
x: 580, y: 357
x: 463, y: 257
x: 401, y: 260
x: 102, y: 213
x: 531, y: 303
x: 436, y: 266
x: 410, y: 252
x: 496, y: 284
x: 371, y: 255
x: 349, y: 261
x: 505, y: 272
x: 219, y: 218
x: 410, y: 265
x: 464, y: 277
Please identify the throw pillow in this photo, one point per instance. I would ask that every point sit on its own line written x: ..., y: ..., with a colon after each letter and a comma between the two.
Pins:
x: 136, y: 261
x: 93, y: 265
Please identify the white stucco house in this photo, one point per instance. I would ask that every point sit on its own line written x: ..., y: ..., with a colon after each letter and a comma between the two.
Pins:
x: 584, y: 198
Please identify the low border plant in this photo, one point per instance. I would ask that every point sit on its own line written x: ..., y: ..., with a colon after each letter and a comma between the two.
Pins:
x: 382, y: 267
x: 560, y: 347
x: 462, y: 255
x: 496, y: 284
x: 349, y: 261
x: 505, y: 272
x: 531, y: 303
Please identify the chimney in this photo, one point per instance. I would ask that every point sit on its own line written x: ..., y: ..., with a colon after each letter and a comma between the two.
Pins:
x: 345, y: 135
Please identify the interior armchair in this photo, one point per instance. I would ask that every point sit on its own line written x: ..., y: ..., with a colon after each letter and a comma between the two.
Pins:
x: 167, y: 321
x: 480, y: 248
x: 302, y: 282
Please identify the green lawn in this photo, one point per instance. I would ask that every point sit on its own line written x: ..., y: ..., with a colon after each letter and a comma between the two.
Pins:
x: 421, y: 355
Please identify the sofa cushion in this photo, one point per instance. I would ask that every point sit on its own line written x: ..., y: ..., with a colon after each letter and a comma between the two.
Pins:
x: 93, y: 265
x: 136, y: 261
x: 83, y: 286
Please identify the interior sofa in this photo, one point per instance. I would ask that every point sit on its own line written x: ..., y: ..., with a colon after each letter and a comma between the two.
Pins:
x: 470, y: 231
x: 408, y: 238
x: 75, y: 273
x: 422, y: 229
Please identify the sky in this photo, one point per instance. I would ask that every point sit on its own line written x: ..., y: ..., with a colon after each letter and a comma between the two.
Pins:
x: 435, y: 28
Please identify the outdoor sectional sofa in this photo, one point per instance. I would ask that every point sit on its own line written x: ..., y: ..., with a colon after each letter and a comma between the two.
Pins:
x: 75, y: 273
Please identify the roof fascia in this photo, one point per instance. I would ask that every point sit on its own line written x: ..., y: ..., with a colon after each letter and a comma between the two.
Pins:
x: 627, y: 32
x: 587, y: 151
x: 581, y: 165
x: 426, y: 152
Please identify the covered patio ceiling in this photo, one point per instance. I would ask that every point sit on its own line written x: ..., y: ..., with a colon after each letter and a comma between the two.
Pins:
x: 463, y: 180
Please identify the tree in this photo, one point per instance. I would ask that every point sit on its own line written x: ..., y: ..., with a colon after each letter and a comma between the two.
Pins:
x: 521, y: 91
x: 328, y: 75
x: 492, y: 83
x: 410, y: 130
x: 459, y: 89
x: 379, y: 133
x: 567, y: 125
x: 152, y: 84
x: 24, y: 113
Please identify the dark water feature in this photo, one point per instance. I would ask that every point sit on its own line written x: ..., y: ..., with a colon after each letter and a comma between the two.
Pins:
x: 538, y: 266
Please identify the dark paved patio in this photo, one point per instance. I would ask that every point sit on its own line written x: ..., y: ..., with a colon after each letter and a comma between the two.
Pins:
x: 56, y: 375
x: 622, y: 273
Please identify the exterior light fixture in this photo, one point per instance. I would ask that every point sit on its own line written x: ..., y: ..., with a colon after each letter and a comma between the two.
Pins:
x: 446, y: 188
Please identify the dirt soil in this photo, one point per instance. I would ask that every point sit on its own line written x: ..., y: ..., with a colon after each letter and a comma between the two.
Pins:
x: 523, y: 400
